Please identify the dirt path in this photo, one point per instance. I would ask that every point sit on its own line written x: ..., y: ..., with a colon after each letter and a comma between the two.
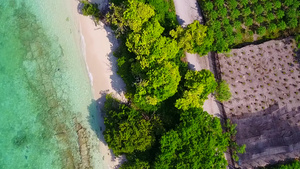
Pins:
x: 187, y: 11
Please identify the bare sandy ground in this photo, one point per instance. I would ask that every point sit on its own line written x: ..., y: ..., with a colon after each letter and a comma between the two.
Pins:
x: 98, y: 44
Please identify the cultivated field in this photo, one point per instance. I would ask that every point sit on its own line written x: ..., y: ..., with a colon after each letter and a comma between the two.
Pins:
x: 265, y: 85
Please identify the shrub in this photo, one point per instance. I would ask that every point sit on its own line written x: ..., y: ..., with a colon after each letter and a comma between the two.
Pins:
x: 292, y: 165
x: 223, y: 91
x: 90, y: 9
x: 249, y: 22
x: 260, y: 19
x: 261, y: 30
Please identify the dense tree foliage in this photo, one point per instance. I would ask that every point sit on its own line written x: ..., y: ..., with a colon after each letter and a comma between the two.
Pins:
x: 223, y: 91
x: 132, y: 14
x: 198, y: 142
x: 198, y: 84
x: 267, y: 19
x: 157, y: 86
x: 191, y: 37
x: 126, y: 129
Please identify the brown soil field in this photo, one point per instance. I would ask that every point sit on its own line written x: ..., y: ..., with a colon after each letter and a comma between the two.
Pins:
x: 265, y: 84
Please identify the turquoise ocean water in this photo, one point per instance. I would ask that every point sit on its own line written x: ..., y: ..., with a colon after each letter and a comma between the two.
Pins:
x: 43, y: 85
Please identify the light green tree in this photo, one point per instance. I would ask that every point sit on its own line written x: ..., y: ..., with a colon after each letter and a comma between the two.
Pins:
x: 159, y: 84
x: 133, y: 15
x: 191, y: 37
x: 198, y: 84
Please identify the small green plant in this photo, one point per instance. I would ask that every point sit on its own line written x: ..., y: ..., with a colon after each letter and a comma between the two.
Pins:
x: 223, y: 91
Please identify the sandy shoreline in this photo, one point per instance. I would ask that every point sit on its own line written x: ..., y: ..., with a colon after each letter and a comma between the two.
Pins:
x: 98, y: 44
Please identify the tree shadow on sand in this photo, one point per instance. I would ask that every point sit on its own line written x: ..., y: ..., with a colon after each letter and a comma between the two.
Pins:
x: 96, y: 121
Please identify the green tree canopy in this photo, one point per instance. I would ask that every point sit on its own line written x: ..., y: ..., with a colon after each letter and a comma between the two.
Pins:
x: 280, y: 14
x: 159, y: 84
x: 132, y: 14
x: 141, y: 42
x: 198, y: 142
x: 198, y: 84
x: 126, y: 130
x: 137, y: 13
x: 277, y: 4
x: 258, y: 9
x: 261, y: 30
x: 246, y: 11
x: 249, y: 22
x: 191, y: 37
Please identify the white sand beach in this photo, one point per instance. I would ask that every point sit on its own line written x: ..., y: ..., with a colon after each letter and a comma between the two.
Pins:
x: 98, y: 44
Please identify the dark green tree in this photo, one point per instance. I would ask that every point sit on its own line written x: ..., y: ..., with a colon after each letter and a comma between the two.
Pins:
x: 293, y: 23
x: 246, y: 11
x: 270, y: 16
x: 198, y: 142
x: 277, y: 4
x: 237, y: 24
x: 268, y: 6
x: 260, y: 19
x: 291, y: 13
x: 223, y: 12
x: 280, y: 14
x: 232, y: 4
x: 126, y: 129
x: 219, y: 3
x: 272, y: 27
x: 288, y: 2
x: 244, y: 2
x: 261, y: 30
x: 208, y: 6
x: 258, y: 9
x: 249, y: 22
x: 135, y: 164
x: 282, y: 25
x: 235, y: 14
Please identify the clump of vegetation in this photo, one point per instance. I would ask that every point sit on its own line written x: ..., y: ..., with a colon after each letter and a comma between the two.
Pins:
x: 198, y: 86
x: 297, y: 38
x: 223, y: 91
x: 91, y: 9
x: 291, y: 165
x: 126, y: 129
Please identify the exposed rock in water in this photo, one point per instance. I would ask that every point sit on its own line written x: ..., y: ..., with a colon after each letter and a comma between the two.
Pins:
x: 83, y: 146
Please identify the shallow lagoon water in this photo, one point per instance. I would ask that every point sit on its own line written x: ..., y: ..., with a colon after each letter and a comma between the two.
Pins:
x: 43, y: 85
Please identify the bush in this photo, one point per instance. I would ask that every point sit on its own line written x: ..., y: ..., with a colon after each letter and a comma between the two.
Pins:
x: 223, y: 91
x: 90, y: 9
x: 293, y: 165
